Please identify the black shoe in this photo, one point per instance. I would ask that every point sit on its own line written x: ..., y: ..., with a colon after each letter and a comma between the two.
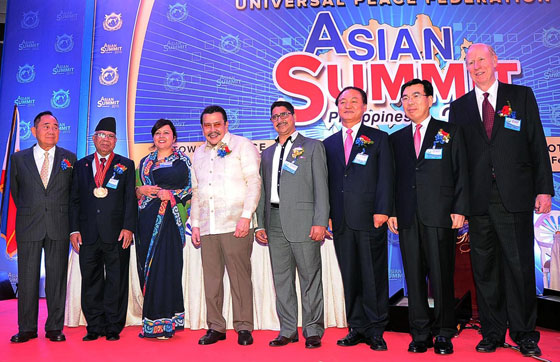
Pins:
x: 417, y: 347
x: 352, y: 338
x: 55, y: 336
x: 313, y: 342
x: 212, y: 337
x: 528, y: 347
x: 488, y: 345
x: 91, y: 336
x: 23, y: 337
x: 282, y: 341
x: 377, y: 343
x: 443, y: 345
x: 244, y: 338
x: 112, y: 336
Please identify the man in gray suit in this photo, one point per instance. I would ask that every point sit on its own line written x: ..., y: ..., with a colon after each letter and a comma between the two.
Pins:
x: 40, y: 186
x: 293, y: 214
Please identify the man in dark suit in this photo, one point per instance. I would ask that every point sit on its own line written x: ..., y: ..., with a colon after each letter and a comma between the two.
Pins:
x: 360, y: 167
x: 103, y: 213
x: 293, y: 214
x: 510, y: 177
x: 431, y: 199
x: 40, y: 186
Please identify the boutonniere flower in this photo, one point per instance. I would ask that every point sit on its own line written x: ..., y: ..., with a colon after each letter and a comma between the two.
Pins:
x: 223, y: 150
x: 507, y: 111
x: 297, y: 152
x: 441, y: 137
x: 364, y: 141
x: 119, y: 168
x: 65, y: 164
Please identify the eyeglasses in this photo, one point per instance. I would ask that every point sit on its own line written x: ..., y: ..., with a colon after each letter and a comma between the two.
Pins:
x: 108, y: 136
x: 413, y: 97
x: 282, y: 115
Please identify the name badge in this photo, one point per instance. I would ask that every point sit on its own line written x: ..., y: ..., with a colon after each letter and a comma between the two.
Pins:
x: 112, y: 183
x: 513, y: 124
x: 290, y: 167
x: 166, y: 164
x: 361, y: 159
x: 434, y: 154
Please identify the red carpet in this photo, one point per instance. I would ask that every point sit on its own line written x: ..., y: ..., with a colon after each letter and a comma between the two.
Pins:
x: 184, y: 346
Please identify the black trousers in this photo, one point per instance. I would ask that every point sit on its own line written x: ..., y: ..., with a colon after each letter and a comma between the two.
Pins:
x: 503, y: 265
x: 56, y: 269
x: 429, y: 251
x: 104, y: 268
x: 362, y: 258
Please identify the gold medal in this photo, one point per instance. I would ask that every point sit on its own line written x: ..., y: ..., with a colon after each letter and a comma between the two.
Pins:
x: 100, y: 192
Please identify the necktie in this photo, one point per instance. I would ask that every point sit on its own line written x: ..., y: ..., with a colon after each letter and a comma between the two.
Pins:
x: 417, y: 139
x: 348, y: 144
x: 102, y: 160
x: 487, y: 115
x: 45, y: 170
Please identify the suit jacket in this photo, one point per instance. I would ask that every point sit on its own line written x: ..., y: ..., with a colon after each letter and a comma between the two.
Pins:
x: 519, y: 159
x: 304, y: 196
x: 41, y: 212
x: 357, y: 192
x: 103, y: 218
x: 430, y: 187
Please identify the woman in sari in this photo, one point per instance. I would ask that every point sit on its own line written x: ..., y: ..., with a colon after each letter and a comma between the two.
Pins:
x: 164, y: 193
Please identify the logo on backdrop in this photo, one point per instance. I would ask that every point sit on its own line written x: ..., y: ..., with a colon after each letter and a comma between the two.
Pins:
x: 174, y: 45
x: 230, y: 44
x: 24, y: 101
x: 233, y: 118
x: 24, y: 130
x: 109, y: 76
x: 28, y: 45
x: 175, y: 81
x: 66, y: 15
x: 30, y: 20
x: 60, y: 99
x: 26, y: 73
x: 110, y: 49
x: 63, y: 69
x: 112, y: 22
x: 177, y: 12
x: 64, y: 128
x: 64, y: 43
x: 108, y: 102
x: 551, y: 38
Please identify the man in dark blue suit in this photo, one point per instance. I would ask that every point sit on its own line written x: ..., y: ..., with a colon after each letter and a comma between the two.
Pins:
x: 431, y: 200
x: 360, y: 169
x: 103, y: 214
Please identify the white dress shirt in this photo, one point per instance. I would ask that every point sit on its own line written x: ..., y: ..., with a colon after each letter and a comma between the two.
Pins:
x: 39, y: 156
x: 423, y: 129
x: 492, y: 97
x: 274, y: 196
x: 355, y: 129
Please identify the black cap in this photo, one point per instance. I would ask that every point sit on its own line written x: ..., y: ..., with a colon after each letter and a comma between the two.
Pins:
x: 107, y: 124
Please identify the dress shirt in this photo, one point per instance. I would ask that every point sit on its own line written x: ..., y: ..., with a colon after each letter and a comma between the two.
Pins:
x: 39, y: 156
x: 492, y: 97
x: 355, y: 129
x: 94, y: 167
x: 274, y: 196
x: 423, y: 129
x: 227, y: 188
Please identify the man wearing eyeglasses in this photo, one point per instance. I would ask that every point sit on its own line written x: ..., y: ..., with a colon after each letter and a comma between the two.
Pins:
x: 360, y: 169
x: 40, y: 188
x: 293, y: 215
x: 510, y: 177
x: 431, y: 201
x: 103, y: 214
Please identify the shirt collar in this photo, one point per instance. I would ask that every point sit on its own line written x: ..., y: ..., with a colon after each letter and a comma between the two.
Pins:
x: 292, y: 138
x: 492, y: 91
x: 354, y: 128
x: 38, y: 150
x: 225, y: 140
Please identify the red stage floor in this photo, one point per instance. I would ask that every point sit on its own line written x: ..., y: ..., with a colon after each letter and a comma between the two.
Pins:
x: 184, y: 346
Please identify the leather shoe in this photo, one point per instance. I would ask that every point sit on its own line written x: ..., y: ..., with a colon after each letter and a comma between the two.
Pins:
x: 488, y: 345
x: 377, y: 343
x: 529, y: 347
x: 417, y: 347
x: 351, y: 339
x: 313, y: 342
x: 244, y: 338
x: 282, y: 341
x: 23, y: 337
x: 55, y: 336
x: 91, y: 336
x: 443, y: 345
x: 112, y: 336
x: 212, y: 337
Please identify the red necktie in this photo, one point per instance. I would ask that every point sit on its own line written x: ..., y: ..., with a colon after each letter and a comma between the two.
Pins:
x: 348, y: 144
x: 103, y: 160
x: 417, y: 139
x: 487, y: 115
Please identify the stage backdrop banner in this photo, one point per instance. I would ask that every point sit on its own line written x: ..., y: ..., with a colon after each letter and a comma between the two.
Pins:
x: 41, y: 70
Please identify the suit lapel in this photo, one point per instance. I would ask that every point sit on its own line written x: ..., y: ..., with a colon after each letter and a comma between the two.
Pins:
x: 89, y: 170
x: 477, y: 120
x: 408, y: 142
x: 32, y: 166
x: 500, y: 102
x: 109, y: 173
x: 298, y: 142
x: 56, y: 165
x: 355, y: 148
x: 339, y: 151
x: 428, y: 138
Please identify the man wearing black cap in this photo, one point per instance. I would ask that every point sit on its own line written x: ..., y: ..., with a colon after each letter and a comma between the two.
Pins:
x: 103, y: 214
